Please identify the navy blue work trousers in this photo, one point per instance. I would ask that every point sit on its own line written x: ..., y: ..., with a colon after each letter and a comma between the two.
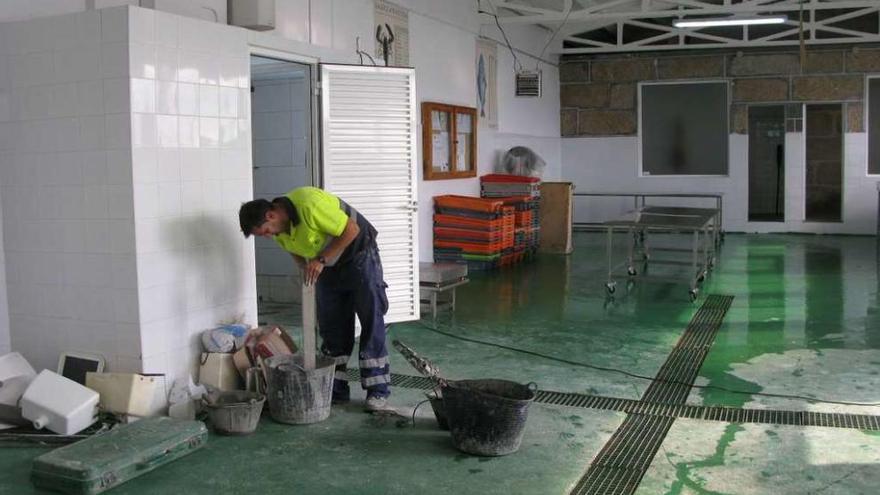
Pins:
x: 355, y: 288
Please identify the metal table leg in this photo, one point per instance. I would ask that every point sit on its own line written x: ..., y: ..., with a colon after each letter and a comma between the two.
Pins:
x: 609, y: 247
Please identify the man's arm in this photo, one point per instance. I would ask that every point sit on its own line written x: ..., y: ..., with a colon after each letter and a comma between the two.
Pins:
x: 334, y: 249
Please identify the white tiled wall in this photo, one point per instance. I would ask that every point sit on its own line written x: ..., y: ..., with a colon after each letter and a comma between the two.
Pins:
x: 124, y: 156
x: 191, y: 170
x: 65, y: 169
x: 281, y: 129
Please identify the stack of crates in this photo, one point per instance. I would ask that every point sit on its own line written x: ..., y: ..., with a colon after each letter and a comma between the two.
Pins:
x: 503, y: 186
x: 476, y: 231
x: 524, y: 195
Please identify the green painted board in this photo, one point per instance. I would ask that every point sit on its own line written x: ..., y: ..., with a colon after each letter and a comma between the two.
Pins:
x: 99, y: 463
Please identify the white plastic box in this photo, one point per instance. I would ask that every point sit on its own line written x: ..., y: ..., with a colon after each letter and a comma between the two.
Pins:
x: 123, y: 393
x: 59, y: 404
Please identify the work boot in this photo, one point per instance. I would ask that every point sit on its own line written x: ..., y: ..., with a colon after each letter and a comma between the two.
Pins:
x: 377, y: 404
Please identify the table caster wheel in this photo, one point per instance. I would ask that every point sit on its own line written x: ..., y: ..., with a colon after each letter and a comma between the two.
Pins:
x: 611, y: 287
x: 631, y: 271
x: 692, y: 294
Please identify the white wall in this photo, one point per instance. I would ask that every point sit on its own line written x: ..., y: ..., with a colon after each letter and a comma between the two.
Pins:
x: 611, y: 165
x: 191, y: 162
x: 66, y: 188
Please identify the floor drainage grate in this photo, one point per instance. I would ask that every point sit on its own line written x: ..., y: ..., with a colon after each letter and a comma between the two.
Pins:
x: 624, y: 459
x: 712, y: 413
x: 705, y: 413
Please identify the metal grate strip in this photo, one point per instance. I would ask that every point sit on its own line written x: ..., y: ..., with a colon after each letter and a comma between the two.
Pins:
x: 623, y: 461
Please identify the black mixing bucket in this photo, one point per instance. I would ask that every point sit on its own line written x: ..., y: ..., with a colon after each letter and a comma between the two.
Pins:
x: 487, y: 417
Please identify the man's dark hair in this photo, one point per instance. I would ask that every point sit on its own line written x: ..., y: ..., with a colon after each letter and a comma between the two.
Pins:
x: 252, y: 214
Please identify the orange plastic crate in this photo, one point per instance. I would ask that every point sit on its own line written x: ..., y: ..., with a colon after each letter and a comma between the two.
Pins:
x: 469, y: 247
x: 468, y: 203
x: 467, y: 234
x: 455, y: 221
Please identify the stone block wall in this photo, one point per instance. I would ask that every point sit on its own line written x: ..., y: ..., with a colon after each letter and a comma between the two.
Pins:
x: 599, y: 94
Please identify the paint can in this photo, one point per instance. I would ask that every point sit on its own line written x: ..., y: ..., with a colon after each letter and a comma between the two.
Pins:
x: 298, y: 396
x: 487, y: 417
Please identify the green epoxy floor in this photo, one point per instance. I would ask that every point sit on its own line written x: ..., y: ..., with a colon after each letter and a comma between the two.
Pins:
x: 804, y: 321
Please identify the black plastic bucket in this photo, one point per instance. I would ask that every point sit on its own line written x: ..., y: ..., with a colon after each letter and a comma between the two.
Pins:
x: 487, y: 417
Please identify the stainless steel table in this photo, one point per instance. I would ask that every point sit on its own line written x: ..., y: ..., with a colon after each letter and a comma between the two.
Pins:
x: 437, y: 278
x: 640, y: 201
x: 700, y: 223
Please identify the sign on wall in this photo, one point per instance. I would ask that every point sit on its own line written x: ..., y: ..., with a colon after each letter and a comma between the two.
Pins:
x: 392, y: 33
x: 487, y: 93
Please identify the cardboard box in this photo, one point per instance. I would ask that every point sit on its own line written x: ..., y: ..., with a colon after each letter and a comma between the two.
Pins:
x: 262, y: 343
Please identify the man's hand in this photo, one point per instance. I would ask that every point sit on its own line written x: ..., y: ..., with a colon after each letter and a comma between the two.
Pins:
x: 312, y: 271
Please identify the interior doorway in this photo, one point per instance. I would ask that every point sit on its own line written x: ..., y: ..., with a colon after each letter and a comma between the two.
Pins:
x: 824, y: 162
x: 767, y: 163
x: 281, y: 133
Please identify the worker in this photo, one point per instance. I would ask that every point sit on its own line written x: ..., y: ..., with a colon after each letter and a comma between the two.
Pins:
x: 335, y: 248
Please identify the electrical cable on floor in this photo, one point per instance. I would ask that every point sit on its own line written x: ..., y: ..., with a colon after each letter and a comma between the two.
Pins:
x: 648, y: 378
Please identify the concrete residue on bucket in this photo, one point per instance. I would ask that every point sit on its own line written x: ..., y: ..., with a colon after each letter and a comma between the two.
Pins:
x: 298, y: 396
x: 487, y: 417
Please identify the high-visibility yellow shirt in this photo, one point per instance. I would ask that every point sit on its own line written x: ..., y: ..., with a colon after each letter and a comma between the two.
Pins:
x: 319, y: 215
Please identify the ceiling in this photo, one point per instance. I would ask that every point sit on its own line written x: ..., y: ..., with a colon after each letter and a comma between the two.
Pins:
x: 599, y: 26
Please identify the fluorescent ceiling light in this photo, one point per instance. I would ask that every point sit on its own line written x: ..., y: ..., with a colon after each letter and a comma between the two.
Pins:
x: 729, y: 22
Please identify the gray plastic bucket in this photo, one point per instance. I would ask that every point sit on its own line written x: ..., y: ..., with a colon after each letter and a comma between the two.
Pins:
x: 235, y: 412
x: 487, y: 417
x: 296, y: 396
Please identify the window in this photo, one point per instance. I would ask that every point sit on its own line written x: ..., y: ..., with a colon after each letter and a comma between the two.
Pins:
x: 683, y: 128
x: 449, y: 141
x: 874, y: 125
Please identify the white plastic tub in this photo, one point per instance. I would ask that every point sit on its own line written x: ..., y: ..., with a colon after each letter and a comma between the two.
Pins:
x: 123, y: 393
x: 59, y: 404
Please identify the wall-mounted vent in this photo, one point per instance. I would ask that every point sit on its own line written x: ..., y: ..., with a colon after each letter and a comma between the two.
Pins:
x: 528, y: 83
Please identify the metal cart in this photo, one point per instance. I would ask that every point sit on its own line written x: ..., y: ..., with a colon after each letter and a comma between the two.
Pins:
x: 700, y: 223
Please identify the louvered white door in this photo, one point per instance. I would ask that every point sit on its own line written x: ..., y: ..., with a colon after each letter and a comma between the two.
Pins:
x: 369, y: 159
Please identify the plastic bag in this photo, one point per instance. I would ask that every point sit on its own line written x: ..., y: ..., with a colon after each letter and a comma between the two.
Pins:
x: 183, y: 398
x: 225, y: 338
